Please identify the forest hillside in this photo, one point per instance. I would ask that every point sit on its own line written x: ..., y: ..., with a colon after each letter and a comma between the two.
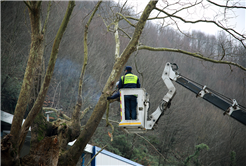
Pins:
x: 191, y: 131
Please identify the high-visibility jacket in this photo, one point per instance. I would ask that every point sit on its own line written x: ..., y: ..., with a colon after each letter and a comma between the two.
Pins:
x: 129, y: 80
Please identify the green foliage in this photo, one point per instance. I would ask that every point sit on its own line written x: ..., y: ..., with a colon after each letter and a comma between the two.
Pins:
x: 233, y: 158
x: 142, y: 156
x: 127, y: 145
x: 40, y: 135
x: 194, y: 156
x: 154, y: 140
x: 122, y: 144
x: 201, y: 147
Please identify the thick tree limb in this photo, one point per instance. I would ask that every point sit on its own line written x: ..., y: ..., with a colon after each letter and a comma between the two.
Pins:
x: 196, y: 55
x: 26, y: 88
x: 44, y: 88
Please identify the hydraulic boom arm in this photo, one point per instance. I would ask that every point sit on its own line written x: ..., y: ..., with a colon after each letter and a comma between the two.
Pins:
x: 230, y: 107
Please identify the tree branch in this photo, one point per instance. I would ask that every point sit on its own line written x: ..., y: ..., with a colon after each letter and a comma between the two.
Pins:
x: 117, y: 40
x: 238, y: 7
x: 196, y: 55
x: 125, y: 33
x: 231, y: 31
x: 126, y: 19
x: 141, y: 73
x: 96, y: 155
x: 133, y: 18
x: 47, y: 18
x: 84, y: 112
x: 38, y: 4
x: 28, y: 5
x: 111, y: 120
x: 109, y: 30
x: 78, y: 106
x: 108, y: 123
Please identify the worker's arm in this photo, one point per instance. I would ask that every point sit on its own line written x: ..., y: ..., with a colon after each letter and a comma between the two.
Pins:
x: 114, y: 96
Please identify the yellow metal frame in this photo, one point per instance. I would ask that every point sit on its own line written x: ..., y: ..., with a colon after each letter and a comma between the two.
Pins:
x: 132, y: 123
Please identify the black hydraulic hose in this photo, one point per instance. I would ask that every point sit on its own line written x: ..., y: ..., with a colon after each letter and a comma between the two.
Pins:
x: 211, y: 90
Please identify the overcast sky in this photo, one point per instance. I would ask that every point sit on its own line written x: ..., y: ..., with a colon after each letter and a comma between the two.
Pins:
x: 238, y: 23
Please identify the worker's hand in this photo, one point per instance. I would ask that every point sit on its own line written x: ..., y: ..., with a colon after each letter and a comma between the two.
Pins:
x: 108, y: 98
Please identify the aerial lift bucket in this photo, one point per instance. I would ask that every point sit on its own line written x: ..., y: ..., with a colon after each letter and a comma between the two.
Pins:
x: 138, y: 125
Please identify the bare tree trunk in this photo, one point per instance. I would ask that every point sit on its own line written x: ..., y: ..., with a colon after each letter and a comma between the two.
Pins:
x: 36, y: 46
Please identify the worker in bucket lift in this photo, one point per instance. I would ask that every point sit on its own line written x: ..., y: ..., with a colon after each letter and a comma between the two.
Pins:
x: 130, y: 80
